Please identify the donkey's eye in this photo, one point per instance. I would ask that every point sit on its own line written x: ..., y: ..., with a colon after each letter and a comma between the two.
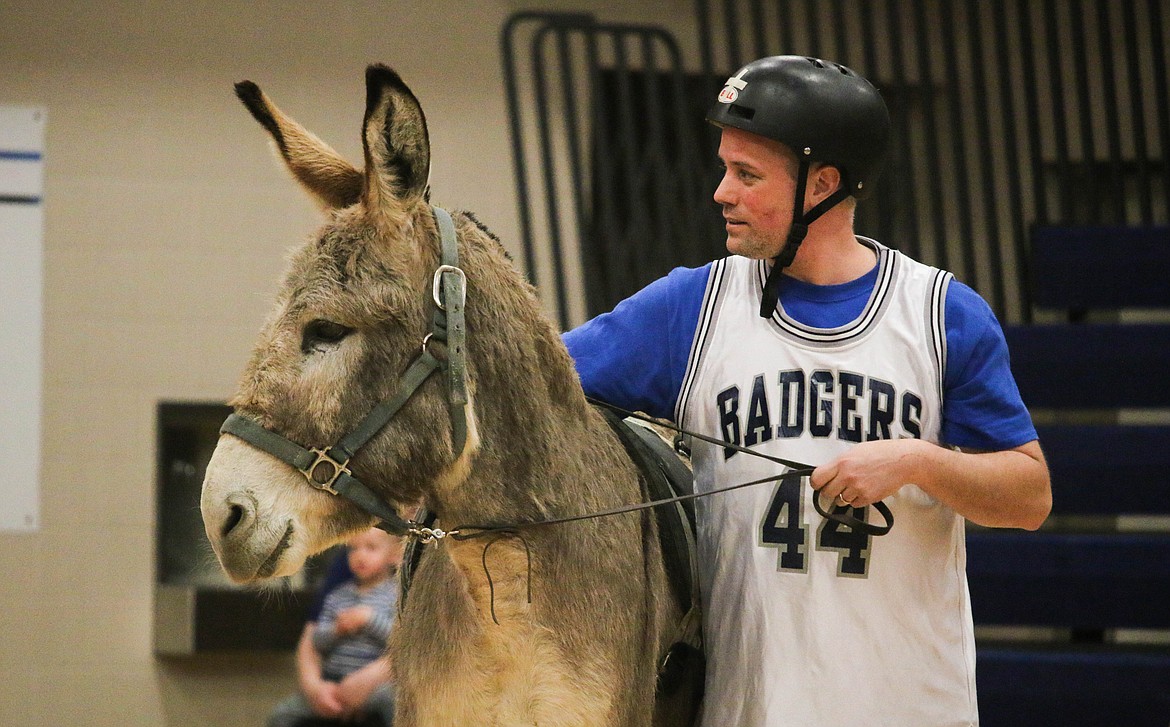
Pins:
x: 319, y: 334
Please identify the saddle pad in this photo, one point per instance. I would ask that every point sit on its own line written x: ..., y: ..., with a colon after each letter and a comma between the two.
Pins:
x: 665, y: 475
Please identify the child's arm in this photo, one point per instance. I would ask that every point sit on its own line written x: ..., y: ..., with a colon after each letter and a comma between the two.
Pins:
x: 325, y: 634
x: 308, y: 660
x: 355, y: 689
x: 383, y: 608
x: 378, y: 625
x: 323, y: 696
x: 353, y: 619
x: 372, y: 616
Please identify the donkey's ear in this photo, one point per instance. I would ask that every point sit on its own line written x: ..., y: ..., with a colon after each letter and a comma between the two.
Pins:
x: 398, y: 151
x: 333, y: 181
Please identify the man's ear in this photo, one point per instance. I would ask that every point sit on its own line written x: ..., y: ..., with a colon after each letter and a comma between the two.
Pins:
x: 823, y: 180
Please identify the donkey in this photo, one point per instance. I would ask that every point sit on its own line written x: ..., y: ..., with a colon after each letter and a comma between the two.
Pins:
x: 566, y: 626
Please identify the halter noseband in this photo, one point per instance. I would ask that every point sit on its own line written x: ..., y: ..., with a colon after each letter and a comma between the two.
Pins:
x: 328, y: 469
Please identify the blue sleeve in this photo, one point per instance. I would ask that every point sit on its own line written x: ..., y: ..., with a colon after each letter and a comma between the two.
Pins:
x: 636, y: 355
x: 982, y: 408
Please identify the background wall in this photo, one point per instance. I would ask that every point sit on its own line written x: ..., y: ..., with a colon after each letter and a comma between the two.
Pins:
x: 167, y: 224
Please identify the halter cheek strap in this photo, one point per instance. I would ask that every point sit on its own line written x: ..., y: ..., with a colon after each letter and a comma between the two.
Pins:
x: 328, y: 469
x: 449, y: 291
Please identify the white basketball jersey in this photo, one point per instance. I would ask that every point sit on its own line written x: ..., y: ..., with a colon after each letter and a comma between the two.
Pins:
x: 807, y: 622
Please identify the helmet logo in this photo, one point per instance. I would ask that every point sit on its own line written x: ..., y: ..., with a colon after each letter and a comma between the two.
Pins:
x: 735, y: 84
x: 728, y: 94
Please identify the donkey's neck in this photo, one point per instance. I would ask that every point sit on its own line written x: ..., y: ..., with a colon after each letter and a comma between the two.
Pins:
x: 537, y: 459
x: 542, y: 451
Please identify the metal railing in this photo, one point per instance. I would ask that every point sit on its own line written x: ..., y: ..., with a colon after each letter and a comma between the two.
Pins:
x: 1007, y: 113
x: 604, y: 109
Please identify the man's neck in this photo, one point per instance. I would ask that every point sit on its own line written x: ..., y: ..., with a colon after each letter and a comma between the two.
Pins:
x: 831, y: 256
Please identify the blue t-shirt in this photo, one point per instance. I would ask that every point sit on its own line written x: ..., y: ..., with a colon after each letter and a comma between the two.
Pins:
x: 636, y: 355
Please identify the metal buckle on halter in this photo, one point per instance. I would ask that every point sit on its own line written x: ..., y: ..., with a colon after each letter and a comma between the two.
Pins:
x: 324, y: 471
x: 436, y: 285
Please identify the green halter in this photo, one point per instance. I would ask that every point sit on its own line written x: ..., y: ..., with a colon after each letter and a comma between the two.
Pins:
x: 328, y: 469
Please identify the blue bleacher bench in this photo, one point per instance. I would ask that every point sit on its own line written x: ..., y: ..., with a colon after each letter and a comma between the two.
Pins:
x: 1082, y: 578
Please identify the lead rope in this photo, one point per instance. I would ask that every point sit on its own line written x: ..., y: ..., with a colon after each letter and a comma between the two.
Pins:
x: 491, y: 584
x: 837, y: 515
x: 470, y: 532
x: 797, y: 469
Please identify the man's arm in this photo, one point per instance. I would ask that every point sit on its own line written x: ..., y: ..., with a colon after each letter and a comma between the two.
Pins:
x: 998, y: 477
x: 1009, y: 488
x: 635, y: 356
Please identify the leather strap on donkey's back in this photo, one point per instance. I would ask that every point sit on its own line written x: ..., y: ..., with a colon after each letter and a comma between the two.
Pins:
x: 328, y: 469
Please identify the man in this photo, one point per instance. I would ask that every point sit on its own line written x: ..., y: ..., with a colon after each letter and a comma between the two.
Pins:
x: 816, y: 345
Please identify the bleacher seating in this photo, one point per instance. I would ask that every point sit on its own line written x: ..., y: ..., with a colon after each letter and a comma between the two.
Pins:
x: 1064, y: 592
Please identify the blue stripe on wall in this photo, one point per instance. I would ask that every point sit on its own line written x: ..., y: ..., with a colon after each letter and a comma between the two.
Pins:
x: 18, y: 199
x: 24, y: 156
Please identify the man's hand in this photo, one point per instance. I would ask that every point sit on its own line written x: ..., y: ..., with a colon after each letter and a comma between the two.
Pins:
x: 1008, y: 488
x: 869, y: 472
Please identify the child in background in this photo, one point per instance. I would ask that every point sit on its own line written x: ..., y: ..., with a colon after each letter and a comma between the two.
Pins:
x: 350, y: 677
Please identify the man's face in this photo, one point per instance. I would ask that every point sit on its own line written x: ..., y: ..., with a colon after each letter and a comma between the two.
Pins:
x: 756, y: 193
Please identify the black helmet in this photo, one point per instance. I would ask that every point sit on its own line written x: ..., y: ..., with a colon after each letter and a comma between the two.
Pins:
x: 818, y: 108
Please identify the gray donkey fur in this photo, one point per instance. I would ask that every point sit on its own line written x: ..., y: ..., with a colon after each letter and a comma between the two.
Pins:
x: 352, y: 313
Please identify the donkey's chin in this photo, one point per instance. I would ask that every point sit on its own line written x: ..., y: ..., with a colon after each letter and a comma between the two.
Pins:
x: 271, y: 564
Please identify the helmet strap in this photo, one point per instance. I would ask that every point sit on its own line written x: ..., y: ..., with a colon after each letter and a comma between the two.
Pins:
x: 796, y: 234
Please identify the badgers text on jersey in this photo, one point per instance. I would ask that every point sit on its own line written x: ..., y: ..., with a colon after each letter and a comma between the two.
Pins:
x: 845, y: 405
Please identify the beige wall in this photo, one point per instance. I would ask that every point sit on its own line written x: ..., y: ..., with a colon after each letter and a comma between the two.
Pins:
x: 167, y: 222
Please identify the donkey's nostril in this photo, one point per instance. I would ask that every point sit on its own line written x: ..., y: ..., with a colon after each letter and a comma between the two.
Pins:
x: 235, y: 517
